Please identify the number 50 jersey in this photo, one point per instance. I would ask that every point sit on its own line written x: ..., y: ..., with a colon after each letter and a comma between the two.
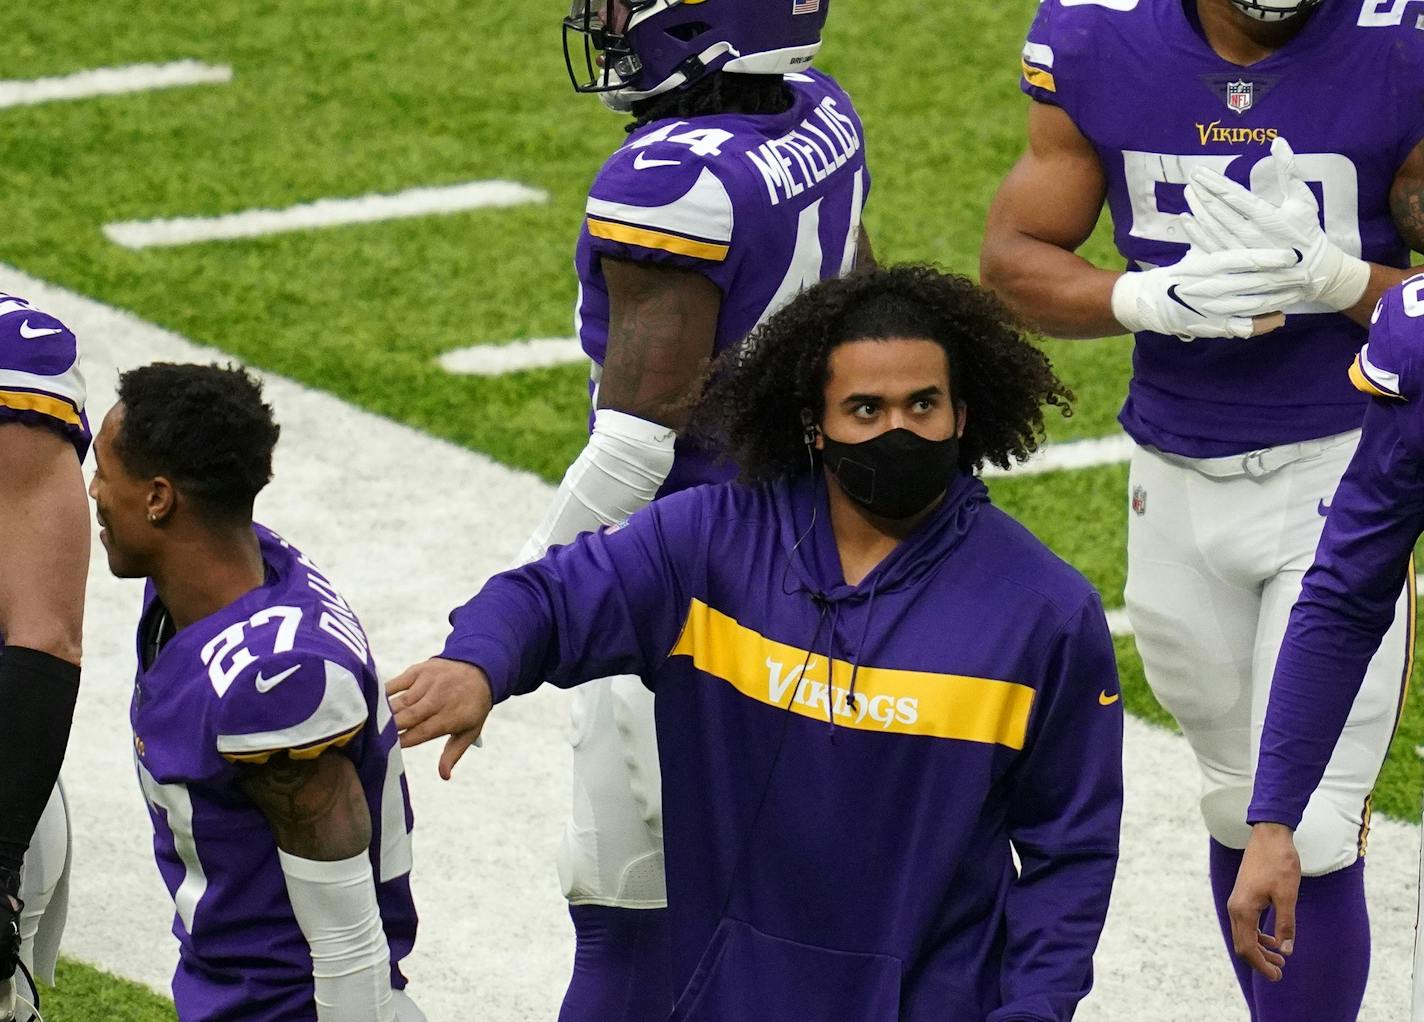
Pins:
x: 1142, y: 84
x: 762, y: 205
x: 283, y: 669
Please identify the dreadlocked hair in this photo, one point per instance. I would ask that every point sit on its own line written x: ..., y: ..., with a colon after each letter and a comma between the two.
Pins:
x: 754, y: 393
x: 717, y: 93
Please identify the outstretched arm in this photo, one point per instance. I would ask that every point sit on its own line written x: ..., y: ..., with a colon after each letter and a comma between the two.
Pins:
x: 611, y: 602
x: 317, y: 809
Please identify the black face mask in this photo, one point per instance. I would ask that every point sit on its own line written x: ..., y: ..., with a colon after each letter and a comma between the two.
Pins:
x: 896, y: 474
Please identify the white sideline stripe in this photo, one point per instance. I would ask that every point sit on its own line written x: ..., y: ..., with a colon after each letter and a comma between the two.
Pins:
x: 331, y: 496
x: 362, y: 209
x: 1074, y: 454
x: 111, y: 81
x: 514, y: 357
x: 1118, y: 623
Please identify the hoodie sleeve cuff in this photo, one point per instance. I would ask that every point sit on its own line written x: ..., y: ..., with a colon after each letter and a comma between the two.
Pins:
x: 488, y: 656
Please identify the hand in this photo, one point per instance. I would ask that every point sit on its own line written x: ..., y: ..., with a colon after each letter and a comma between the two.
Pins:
x: 1226, y: 215
x: 441, y: 697
x: 1269, y: 878
x: 1210, y: 294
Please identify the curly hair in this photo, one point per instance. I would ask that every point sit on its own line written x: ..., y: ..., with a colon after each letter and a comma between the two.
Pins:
x: 755, y: 392
x: 717, y: 93
x: 205, y: 427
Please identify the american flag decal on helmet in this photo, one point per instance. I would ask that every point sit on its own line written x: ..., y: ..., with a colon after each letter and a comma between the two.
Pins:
x: 805, y: 6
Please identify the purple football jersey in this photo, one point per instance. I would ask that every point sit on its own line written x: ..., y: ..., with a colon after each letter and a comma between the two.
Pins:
x: 1391, y: 365
x: 762, y: 205
x: 285, y: 668
x: 40, y: 377
x: 1145, y: 88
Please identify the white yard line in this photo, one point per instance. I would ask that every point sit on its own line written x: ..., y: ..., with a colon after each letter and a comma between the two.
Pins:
x: 495, y: 944
x: 111, y: 81
x: 1072, y: 455
x: 514, y: 357
x: 362, y: 209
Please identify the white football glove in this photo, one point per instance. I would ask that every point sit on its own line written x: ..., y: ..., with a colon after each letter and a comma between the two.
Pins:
x: 1209, y: 294
x: 1225, y: 215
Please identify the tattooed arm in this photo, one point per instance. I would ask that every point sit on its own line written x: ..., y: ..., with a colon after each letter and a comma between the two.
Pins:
x: 1406, y: 208
x: 1406, y: 200
x: 318, y: 812
x: 661, y: 325
x: 662, y: 322
x: 316, y: 807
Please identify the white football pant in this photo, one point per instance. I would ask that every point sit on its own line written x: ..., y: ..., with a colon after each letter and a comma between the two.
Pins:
x: 1217, y: 549
x: 612, y: 852
x: 44, y: 888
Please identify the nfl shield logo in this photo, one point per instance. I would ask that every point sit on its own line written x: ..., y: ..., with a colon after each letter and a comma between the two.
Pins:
x: 1139, y: 501
x: 1239, y: 96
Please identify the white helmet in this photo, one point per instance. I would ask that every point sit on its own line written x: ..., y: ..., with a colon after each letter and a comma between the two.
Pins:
x: 1274, y: 10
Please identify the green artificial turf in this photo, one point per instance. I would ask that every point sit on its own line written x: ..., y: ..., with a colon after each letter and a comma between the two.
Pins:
x: 332, y: 100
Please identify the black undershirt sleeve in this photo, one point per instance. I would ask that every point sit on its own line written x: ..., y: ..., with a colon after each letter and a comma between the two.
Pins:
x: 37, y: 697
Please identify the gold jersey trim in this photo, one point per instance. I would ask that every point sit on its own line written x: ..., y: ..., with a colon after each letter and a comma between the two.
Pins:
x: 1038, y: 77
x: 54, y: 407
x: 647, y: 238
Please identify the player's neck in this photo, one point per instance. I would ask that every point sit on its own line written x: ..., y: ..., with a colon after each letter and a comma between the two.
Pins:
x: 1242, y: 39
x: 864, y: 539
x: 205, y: 570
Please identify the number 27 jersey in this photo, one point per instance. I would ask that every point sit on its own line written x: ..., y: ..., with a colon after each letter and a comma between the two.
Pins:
x: 763, y: 205
x: 1140, y: 81
x: 284, y: 669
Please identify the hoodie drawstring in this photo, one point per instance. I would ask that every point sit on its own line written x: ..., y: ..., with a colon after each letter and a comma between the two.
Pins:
x: 860, y: 647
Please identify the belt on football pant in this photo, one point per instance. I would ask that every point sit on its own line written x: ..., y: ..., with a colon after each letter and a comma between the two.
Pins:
x: 1261, y: 463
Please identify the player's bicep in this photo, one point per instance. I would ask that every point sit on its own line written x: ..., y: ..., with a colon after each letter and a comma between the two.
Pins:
x: 1406, y: 200
x: 316, y: 807
x: 44, y: 540
x: 1055, y: 192
x: 662, y: 324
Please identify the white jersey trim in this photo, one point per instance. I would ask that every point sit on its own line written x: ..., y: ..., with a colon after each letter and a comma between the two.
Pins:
x: 704, y: 211
x: 341, y: 711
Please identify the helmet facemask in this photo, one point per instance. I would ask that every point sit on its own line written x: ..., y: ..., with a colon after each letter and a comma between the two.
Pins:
x: 1274, y: 10
x: 608, y: 63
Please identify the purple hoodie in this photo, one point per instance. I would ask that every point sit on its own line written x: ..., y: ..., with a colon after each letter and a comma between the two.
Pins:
x: 839, y: 846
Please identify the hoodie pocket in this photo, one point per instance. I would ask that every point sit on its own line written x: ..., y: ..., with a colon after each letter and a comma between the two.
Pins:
x: 749, y: 976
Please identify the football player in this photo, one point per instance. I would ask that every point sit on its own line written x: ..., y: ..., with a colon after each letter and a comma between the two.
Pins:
x: 44, y: 558
x: 264, y: 744
x: 1345, y: 608
x: 741, y: 182
x: 1152, y: 105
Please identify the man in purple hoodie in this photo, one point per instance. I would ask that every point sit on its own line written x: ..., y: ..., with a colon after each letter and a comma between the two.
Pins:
x: 872, y: 687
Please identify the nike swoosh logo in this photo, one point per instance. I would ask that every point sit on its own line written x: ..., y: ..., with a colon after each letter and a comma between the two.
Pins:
x: 1107, y: 700
x: 1172, y: 294
x: 1322, y: 509
x: 268, y: 684
x: 642, y: 162
x: 29, y: 333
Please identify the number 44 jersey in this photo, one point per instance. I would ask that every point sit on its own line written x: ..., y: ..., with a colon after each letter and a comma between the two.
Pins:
x: 1142, y: 84
x: 762, y: 205
x: 286, y: 668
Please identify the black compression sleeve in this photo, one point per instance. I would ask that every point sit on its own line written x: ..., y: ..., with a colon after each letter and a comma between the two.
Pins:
x: 37, y: 696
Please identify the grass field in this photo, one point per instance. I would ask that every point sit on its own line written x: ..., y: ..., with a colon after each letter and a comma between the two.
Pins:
x: 345, y: 99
